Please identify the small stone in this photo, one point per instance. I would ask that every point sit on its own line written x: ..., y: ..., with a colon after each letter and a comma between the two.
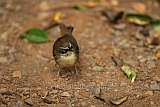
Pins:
x: 11, y: 58
x: 144, y: 32
x: 98, y: 68
x: 140, y: 57
x: 143, y: 60
x: 46, y: 68
x: 69, y: 103
x: 43, y: 15
x: 4, y: 36
x: 123, y: 84
x: 3, y: 60
x: 19, y: 103
x: 29, y: 101
x: 43, y: 58
x: 141, y: 43
x: 97, y: 91
x: 157, y: 78
x: 126, y: 45
x: 7, y: 78
x: 47, y: 100
x: 54, y: 91
x: 83, y: 104
x: 65, y: 94
x: 151, y: 57
x: 44, y: 6
x: 120, y: 26
x: 149, y: 93
x: 151, y: 64
x: 77, y: 95
x: 88, y: 75
x: 12, y: 50
x: 17, y: 74
x: 92, y: 106
x: 154, y: 85
x: 118, y: 33
x: 117, y: 40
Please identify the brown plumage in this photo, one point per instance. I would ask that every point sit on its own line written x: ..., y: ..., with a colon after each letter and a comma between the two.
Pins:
x: 65, y: 48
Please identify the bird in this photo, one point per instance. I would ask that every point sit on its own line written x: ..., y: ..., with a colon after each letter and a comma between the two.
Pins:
x: 65, y: 49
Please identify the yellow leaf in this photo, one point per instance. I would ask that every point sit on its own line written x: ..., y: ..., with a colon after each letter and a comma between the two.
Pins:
x: 103, y: 1
x: 158, y: 54
x: 91, y: 4
x: 57, y: 16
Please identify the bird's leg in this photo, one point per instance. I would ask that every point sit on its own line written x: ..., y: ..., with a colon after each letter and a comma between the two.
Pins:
x: 59, y: 70
x: 76, y: 69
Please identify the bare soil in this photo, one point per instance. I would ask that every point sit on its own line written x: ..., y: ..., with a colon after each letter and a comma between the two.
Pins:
x: 28, y: 73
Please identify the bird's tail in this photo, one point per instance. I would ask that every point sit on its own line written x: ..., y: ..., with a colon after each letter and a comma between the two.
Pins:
x: 66, y: 29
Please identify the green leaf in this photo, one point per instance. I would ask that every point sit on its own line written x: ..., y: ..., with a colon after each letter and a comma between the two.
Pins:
x: 157, y: 28
x: 130, y: 73
x: 81, y: 7
x: 138, y: 16
x: 119, y: 100
x: 142, y: 19
x: 36, y: 35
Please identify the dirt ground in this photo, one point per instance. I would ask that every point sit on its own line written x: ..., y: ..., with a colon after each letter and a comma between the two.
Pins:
x: 28, y: 74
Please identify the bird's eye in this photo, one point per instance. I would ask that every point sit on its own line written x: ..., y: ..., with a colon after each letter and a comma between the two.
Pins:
x: 63, y: 51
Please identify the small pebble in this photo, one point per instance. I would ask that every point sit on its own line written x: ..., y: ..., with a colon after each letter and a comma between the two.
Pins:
x: 151, y: 64
x: 43, y: 15
x: 44, y: 5
x: 142, y: 60
x: 43, y: 58
x: 120, y: 26
x: 12, y: 50
x: 89, y: 75
x: 65, y: 94
x: 19, y: 103
x: 154, y: 85
x: 157, y: 78
x: 77, y: 95
x: 29, y: 101
x: 126, y: 45
x: 117, y: 40
x: 47, y: 100
x: 83, y: 104
x: 3, y: 60
x: 118, y: 33
x: 98, y: 68
x: 149, y: 93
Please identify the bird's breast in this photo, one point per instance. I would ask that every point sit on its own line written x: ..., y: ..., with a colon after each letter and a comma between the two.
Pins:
x: 67, y: 60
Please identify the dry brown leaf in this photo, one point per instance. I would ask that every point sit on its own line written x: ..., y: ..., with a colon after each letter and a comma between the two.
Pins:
x: 158, y: 54
x: 17, y: 74
x: 139, y: 7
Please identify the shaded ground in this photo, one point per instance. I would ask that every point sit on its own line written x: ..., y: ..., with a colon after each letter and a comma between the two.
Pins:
x: 28, y: 71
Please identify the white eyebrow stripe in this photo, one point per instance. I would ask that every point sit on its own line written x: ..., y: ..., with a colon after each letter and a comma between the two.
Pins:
x: 70, y: 44
x: 64, y: 47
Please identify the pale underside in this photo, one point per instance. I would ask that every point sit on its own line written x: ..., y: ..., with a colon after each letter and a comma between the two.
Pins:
x: 67, y: 60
